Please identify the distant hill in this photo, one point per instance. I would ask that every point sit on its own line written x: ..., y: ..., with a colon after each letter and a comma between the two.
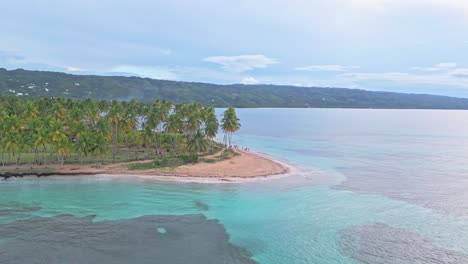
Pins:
x: 40, y: 83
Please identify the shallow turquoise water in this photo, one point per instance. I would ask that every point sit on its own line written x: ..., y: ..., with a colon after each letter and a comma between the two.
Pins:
x: 376, y: 186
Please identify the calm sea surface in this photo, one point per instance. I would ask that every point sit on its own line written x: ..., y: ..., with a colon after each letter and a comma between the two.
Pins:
x: 374, y: 186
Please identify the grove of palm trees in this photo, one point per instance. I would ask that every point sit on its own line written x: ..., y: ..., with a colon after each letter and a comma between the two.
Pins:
x: 66, y: 131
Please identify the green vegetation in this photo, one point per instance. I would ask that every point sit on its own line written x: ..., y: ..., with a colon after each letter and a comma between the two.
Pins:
x: 58, y: 131
x: 226, y: 154
x: 47, y: 84
x: 165, y: 162
x: 143, y: 166
x: 231, y: 124
x: 31, y: 170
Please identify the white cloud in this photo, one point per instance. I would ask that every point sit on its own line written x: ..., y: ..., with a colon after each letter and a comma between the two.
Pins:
x: 249, y: 80
x: 426, y: 69
x: 177, y: 72
x: 447, y: 65
x: 147, y: 71
x: 460, y: 73
x: 242, y: 63
x: 332, y: 68
x: 444, y: 66
x: 457, y: 77
x: 73, y: 69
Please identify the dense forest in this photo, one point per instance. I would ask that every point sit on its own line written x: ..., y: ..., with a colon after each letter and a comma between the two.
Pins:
x: 58, y: 131
x: 25, y: 83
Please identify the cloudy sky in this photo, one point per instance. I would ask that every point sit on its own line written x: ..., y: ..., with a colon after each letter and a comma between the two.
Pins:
x: 418, y: 46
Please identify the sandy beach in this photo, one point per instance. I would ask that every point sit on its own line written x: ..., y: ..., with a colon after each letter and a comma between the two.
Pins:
x: 247, y: 166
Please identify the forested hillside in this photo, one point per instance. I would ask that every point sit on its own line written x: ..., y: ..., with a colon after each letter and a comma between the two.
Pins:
x: 54, y: 84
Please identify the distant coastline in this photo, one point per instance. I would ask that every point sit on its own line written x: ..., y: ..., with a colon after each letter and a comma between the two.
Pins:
x: 31, y: 84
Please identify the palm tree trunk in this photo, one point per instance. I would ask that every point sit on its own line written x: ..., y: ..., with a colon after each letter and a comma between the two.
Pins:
x: 51, y: 154
x: 36, y: 156
x: 175, y: 144
x: 156, y: 152
x: 128, y: 149
x: 114, y: 141
x: 44, y: 156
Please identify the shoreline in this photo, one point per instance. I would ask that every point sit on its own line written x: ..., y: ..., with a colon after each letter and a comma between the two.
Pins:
x: 246, y: 167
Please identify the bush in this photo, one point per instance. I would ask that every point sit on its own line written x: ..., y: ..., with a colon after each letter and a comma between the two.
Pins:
x: 209, y: 160
x: 141, y: 166
x: 189, y: 158
x: 227, y: 154
x: 165, y: 162
x: 157, y: 162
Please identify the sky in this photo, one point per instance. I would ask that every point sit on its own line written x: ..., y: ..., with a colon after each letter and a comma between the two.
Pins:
x: 413, y: 46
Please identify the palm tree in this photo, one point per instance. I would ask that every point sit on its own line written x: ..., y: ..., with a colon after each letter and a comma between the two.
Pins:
x: 197, y: 142
x: 59, y: 140
x: 130, y: 124
x: 13, y: 141
x: 193, y: 122
x: 174, y: 125
x: 58, y: 110
x: 92, y: 112
x: 101, y: 138
x: 156, y: 115
x: 115, y: 116
x: 31, y: 110
x: 147, y: 136
x: 211, y: 126
x: 41, y: 139
x: 84, y: 144
x: 11, y: 138
x: 3, y: 116
x: 230, y: 124
x: 65, y: 127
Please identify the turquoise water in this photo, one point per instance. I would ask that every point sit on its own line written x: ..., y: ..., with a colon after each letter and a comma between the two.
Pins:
x: 375, y: 186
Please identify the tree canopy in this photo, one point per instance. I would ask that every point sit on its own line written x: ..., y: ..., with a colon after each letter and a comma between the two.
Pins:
x: 60, y: 130
x: 230, y: 124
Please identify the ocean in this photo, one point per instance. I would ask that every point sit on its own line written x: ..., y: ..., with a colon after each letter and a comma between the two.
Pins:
x: 371, y: 186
